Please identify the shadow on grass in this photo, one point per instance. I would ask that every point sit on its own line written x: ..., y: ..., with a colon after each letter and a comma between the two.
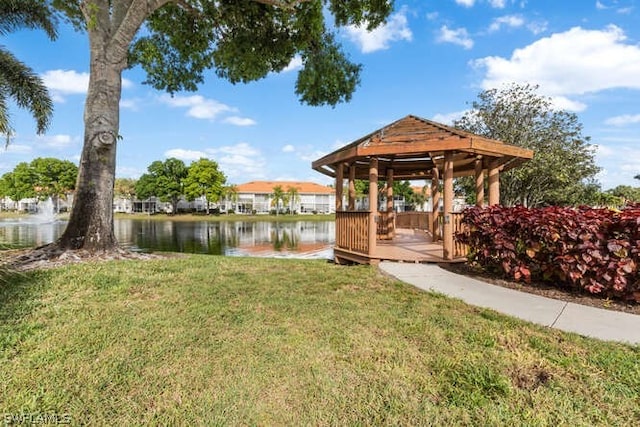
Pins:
x: 19, y: 293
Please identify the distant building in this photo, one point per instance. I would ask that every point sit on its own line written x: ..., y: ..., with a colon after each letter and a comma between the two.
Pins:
x: 251, y: 197
x: 256, y: 197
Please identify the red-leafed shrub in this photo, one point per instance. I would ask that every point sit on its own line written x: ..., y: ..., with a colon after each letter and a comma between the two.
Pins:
x: 597, y: 250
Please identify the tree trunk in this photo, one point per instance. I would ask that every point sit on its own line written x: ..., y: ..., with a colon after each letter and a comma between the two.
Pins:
x: 90, y: 224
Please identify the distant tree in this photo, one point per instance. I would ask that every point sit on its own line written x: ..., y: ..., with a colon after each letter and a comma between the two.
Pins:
x: 293, y: 197
x: 125, y: 188
x: 43, y: 177
x: 277, y: 197
x: 417, y: 198
x: 17, y: 81
x: 21, y: 182
x: 626, y: 192
x: 230, y: 193
x: 55, y: 178
x: 563, y: 160
x: 180, y: 40
x: 163, y: 180
x: 204, y: 179
x: 637, y: 177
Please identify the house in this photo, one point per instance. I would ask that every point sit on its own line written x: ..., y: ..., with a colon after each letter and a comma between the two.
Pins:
x: 256, y: 197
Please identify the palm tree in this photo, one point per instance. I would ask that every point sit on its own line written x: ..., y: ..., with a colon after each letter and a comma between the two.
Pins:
x: 17, y: 80
x: 230, y: 193
x: 294, y: 197
x: 278, y: 196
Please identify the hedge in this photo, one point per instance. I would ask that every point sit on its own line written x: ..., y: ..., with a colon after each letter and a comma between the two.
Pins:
x: 593, y: 249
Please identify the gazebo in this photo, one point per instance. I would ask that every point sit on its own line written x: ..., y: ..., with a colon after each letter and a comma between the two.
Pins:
x: 409, y: 149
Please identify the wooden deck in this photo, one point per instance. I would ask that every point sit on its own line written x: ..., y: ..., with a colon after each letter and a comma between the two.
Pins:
x: 408, y: 245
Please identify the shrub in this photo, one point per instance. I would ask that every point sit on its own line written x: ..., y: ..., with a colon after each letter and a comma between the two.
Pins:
x: 596, y: 250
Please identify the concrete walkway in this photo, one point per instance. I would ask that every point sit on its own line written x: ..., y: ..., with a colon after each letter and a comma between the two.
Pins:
x: 584, y: 320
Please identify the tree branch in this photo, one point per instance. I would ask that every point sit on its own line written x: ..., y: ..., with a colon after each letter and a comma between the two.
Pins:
x: 283, y: 4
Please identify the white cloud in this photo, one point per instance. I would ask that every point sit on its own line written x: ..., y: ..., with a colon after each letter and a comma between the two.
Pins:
x: 498, y: 4
x: 130, y: 104
x: 457, y: 36
x: 620, y: 164
x: 575, y: 62
x: 564, y: 103
x: 240, y: 162
x: 537, y: 27
x: 614, y: 5
x: 625, y: 119
x: 313, y: 155
x: 59, y: 141
x: 295, y: 64
x: 16, y: 149
x: 512, y: 21
x: 239, y: 121
x: 198, y: 106
x: 338, y: 143
x: 395, y: 29
x: 69, y: 82
x: 449, y: 118
x: 66, y: 82
x: 128, y: 172
x: 185, y: 155
x: 288, y: 148
x: 604, y: 151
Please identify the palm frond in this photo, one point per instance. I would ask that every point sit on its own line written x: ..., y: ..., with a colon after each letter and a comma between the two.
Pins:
x: 26, y: 88
x: 32, y: 14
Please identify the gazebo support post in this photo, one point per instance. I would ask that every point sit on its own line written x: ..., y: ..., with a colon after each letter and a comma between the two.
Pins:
x: 339, y: 186
x: 373, y: 204
x: 447, y: 241
x: 352, y: 187
x: 390, y: 212
x: 479, y: 182
x: 435, y: 203
x: 494, y: 184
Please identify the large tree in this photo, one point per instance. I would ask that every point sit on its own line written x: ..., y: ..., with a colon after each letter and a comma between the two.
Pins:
x: 563, y: 161
x: 43, y: 177
x: 164, y: 180
x: 17, y: 81
x: 242, y: 40
x: 204, y: 179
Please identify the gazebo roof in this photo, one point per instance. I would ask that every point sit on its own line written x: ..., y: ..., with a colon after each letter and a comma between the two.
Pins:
x: 413, y: 146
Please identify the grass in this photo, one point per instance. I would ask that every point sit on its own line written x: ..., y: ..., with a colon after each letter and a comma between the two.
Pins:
x: 214, y: 340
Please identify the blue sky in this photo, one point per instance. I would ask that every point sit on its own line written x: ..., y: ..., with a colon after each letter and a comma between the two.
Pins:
x: 431, y: 60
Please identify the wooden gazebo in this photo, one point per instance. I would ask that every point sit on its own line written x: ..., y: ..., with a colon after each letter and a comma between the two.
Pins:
x: 409, y: 149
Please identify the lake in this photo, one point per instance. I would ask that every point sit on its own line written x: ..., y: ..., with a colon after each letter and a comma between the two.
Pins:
x: 299, y: 239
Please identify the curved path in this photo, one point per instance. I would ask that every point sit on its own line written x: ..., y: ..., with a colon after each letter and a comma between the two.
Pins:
x: 588, y: 321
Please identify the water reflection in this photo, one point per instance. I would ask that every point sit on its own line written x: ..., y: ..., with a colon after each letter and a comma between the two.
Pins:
x: 265, y: 238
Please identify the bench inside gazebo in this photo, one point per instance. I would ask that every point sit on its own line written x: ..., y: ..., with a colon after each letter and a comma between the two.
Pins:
x: 411, y: 148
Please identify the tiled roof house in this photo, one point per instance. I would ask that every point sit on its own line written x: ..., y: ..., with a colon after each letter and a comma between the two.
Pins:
x: 311, y: 197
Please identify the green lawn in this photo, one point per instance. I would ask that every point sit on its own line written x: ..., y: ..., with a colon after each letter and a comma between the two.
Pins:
x: 215, y: 340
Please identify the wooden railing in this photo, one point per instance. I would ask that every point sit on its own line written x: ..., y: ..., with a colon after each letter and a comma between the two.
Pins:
x: 352, y: 231
x: 415, y: 220
x: 459, y: 250
x: 385, y: 225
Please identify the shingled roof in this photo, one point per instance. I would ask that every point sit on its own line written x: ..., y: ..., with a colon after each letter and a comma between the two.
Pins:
x: 412, y: 146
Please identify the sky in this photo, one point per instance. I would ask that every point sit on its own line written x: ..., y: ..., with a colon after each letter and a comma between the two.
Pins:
x: 431, y: 59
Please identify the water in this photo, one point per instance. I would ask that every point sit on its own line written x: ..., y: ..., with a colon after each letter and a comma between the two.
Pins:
x: 300, y: 239
x: 46, y: 212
